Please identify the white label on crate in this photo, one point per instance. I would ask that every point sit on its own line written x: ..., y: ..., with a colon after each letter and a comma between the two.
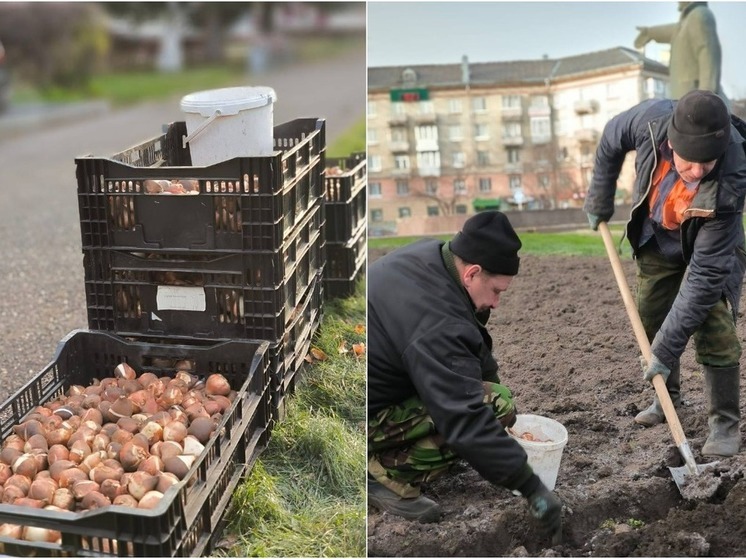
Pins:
x: 172, y: 298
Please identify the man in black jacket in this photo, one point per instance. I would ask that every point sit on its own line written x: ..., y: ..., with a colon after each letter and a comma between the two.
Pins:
x: 433, y: 389
x: 687, y: 237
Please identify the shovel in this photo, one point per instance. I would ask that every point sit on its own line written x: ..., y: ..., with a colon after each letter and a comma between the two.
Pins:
x: 682, y: 475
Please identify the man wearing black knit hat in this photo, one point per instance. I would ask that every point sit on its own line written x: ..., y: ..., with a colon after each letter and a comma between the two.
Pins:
x: 433, y: 390
x: 687, y: 236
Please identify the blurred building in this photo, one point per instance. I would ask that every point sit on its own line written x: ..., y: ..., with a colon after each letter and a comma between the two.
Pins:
x: 445, y: 141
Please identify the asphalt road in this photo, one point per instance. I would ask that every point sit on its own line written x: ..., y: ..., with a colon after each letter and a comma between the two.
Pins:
x: 41, y: 263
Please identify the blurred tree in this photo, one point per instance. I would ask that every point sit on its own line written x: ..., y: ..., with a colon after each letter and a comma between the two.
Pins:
x: 54, y: 44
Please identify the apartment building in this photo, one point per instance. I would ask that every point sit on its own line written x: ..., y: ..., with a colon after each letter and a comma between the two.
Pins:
x: 445, y: 141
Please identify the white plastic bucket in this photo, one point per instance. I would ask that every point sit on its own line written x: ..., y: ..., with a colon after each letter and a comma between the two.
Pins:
x: 545, y: 451
x: 229, y: 122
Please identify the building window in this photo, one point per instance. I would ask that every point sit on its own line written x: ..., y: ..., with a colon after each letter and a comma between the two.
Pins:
x: 454, y: 132
x: 376, y: 215
x: 398, y: 108
x: 479, y: 104
x: 461, y: 209
x: 428, y: 160
x: 374, y: 163
x: 459, y: 159
x: 401, y: 162
x: 405, y: 212
x: 372, y: 136
x: 540, y: 127
x: 433, y: 211
x: 459, y: 186
x: 374, y: 189
x: 515, y: 182
x: 398, y: 134
x: 426, y: 108
x: 481, y: 131
x: 539, y: 101
x: 512, y: 130
x: 511, y: 101
x: 485, y: 184
x: 426, y: 133
x: 454, y: 106
x: 483, y: 158
x: 431, y: 187
x: 514, y: 155
x: 371, y: 108
x: 402, y: 188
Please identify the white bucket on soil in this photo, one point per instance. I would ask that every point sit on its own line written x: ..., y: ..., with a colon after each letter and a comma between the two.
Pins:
x: 545, y: 451
x: 229, y: 122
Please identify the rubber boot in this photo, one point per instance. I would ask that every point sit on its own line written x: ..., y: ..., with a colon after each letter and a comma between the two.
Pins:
x: 418, y: 508
x: 654, y: 414
x: 724, y: 414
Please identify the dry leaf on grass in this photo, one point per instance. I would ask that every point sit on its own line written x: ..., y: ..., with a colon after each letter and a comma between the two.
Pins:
x: 342, y: 347
x: 359, y: 349
x: 360, y: 329
x: 318, y: 354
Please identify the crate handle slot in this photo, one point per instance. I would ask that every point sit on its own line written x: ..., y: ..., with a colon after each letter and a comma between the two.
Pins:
x: 186, y: 139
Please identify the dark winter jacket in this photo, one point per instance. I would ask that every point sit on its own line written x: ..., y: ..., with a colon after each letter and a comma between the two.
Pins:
x: 424, y: 339
x: 712, y: 234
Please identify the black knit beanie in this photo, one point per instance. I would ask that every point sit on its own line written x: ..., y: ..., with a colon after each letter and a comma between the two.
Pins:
x: 489, y: 240
x: 700, y: 128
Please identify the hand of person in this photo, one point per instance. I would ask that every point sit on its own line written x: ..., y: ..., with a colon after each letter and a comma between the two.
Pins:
x: 655, y: 367
x: 546, y: 507
x: 594, y: 220
x: 642, y: 38
x: 508, y: 420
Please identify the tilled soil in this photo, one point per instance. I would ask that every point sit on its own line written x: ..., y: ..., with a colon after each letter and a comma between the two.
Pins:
x: 567, y: 351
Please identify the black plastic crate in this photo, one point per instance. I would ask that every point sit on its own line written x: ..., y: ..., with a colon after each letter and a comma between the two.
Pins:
x: 187, y: 519
x: 203, y: 294
x: 345, y: 263
x: 244, y: 203
x: 345, y: 197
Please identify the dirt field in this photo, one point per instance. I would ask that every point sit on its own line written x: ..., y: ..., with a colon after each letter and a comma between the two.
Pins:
x: 566, y: 349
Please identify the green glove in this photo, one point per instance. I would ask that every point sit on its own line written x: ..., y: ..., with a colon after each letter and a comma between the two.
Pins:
x: 655, y: 367
x: 594, y: 220
x: 546, y: 507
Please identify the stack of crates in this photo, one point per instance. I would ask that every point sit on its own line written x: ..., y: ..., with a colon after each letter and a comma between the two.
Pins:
x: 217, y: 267
x: 232, y: 250
x: 345, y: 197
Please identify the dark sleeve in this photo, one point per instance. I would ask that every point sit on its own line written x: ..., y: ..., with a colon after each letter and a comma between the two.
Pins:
x: 713, y: 260
x: 621, y: 135
x: 447, y: 376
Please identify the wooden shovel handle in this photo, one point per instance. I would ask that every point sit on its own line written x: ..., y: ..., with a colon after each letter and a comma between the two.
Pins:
x: 642, y: 339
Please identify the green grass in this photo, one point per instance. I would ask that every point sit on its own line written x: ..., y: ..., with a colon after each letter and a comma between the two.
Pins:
x: 353, y: 140
x: 582, y: 242
x: 305, y: 496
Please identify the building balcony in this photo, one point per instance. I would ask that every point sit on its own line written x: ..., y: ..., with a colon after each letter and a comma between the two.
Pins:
x: 429, y: 171
x: 514, y: 168
x: 511, y: 113
x: 541, y: 139
x: 586, y: 107
x: 398, y: 120
x: 539, y: 111
x: 399, y: 146
x: 512, y: 140
x: 425, y: 118
x: 427, y: 145
x: 587, y: 135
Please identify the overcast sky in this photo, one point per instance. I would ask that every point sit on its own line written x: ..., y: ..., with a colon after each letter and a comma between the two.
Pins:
x: 401, y: 33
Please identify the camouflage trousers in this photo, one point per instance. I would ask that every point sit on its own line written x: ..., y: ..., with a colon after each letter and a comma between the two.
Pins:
x: 404, y: 448
x: 716, y: 341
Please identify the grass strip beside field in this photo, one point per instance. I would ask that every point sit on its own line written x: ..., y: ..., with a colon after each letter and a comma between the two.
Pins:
x: 305, y: 496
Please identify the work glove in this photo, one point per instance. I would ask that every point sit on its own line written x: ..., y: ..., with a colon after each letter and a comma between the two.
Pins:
x: 594, y: 220
x: 655, y: 367
x: 508, y: 420
x: 546, y: 507
x: 642, y: 38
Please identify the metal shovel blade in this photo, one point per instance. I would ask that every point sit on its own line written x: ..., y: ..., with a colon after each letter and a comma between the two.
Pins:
x: 692, y: 479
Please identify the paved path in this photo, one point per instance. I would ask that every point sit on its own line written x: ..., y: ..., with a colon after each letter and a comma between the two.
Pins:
x: 41, y: 264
